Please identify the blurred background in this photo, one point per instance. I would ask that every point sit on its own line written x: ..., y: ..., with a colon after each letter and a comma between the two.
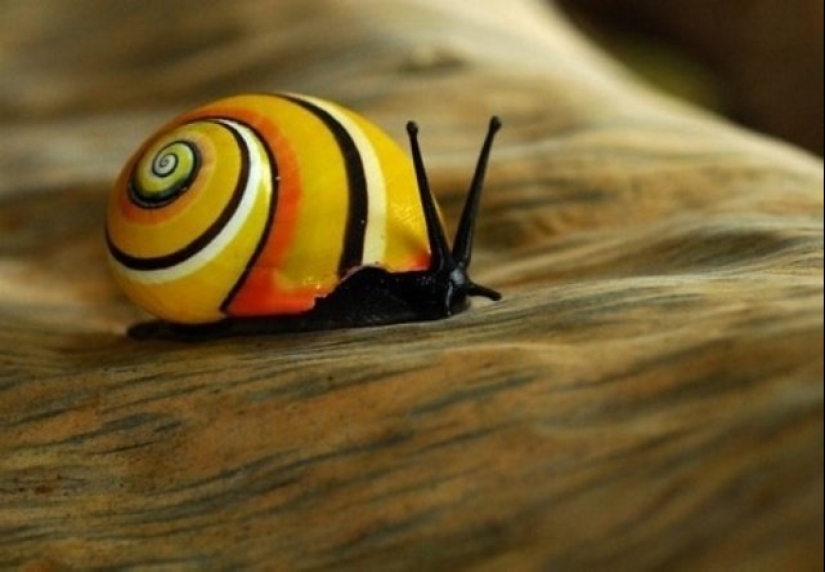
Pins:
x: 759, y: 62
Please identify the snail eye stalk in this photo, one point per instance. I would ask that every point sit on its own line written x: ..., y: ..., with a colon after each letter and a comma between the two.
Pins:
x: 441, y: 258
x: 450, y: 266
x: 463, y: 243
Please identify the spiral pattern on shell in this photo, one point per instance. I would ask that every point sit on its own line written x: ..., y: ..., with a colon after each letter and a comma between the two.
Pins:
x: 170, y: 173
x: 258, y: 206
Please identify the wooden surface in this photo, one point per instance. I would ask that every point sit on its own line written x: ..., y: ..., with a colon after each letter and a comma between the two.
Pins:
x: 647, y: 395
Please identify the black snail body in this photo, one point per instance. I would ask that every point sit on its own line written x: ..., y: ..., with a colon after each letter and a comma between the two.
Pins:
x: 271, y: 213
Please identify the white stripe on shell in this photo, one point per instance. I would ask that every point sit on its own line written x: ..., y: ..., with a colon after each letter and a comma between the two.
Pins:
x: 375, y: 235
x: 257, y: 159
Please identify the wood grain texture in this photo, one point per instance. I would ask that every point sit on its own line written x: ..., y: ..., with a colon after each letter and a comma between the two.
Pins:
x: 648, y: 394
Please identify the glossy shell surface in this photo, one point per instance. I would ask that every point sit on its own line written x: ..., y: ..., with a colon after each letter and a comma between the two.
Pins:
x: 259, y: 205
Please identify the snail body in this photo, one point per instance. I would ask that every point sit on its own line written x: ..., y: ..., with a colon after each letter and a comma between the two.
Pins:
x: 284, y: 211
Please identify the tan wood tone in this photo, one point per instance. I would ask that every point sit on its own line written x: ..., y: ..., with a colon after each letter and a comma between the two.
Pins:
x: 647, y: 395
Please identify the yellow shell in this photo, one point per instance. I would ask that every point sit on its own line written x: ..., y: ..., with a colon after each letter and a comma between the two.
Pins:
x: 259, y: 205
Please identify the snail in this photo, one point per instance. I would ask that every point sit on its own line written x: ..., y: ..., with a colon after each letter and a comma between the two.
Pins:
x: 281, y: 212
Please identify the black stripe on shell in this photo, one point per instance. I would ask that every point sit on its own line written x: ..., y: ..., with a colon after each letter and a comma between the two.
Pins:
x: 270, y: 217
x: 201, y: 241
x: 352, y: 253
